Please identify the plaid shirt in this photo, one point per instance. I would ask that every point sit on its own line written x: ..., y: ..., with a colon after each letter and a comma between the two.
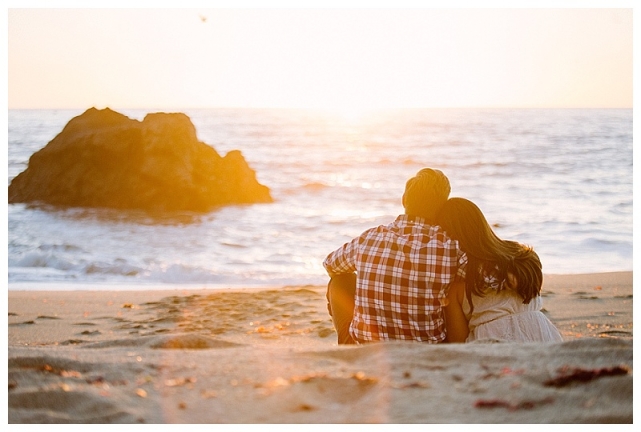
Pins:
x: 404, y: 271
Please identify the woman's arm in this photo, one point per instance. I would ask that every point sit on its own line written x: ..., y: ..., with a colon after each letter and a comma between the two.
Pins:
x: 455, y: 322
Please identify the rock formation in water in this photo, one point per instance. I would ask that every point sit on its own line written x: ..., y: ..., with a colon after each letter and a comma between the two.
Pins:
x: 105, y: 159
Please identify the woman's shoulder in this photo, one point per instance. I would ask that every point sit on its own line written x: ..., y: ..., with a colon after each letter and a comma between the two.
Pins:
x: 505, y: 301
x: 493, y: 276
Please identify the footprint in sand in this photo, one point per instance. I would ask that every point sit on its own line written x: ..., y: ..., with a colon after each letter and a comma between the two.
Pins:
x: 30, y: 322
x: 582, y: 295
x: 185, y: 341
x: 615, y: 333
x: 317, y: 391
x: 73, y: 342
x: 326, y: 332
x: 62, y: 406
x: 57, y: 390
x: 91, y: 333
x: 190, y: 341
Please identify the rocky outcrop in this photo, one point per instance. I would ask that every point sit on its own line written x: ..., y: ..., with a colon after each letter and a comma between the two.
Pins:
x: 105, y: 159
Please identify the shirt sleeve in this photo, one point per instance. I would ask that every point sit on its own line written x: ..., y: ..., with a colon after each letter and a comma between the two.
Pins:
x: 462, y: 264
x: 343, y: 259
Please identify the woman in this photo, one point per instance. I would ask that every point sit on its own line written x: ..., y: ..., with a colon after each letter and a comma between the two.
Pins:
x: 500, y: 297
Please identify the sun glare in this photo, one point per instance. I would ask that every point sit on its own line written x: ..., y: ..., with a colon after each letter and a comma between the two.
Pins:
x: 351, y: 113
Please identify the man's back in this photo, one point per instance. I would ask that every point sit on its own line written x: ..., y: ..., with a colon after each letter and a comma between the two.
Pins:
x: 404, y: 270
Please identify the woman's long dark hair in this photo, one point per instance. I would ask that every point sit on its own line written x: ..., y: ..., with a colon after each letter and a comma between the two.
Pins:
x: 486, y: 252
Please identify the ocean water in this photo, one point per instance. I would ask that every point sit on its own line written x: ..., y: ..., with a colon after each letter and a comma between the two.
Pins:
x: 557, y: 179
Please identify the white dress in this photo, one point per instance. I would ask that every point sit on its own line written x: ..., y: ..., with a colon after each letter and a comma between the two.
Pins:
x: 502, y: 315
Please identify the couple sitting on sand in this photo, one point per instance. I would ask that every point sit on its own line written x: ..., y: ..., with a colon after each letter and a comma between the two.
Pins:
x: 438, y: 273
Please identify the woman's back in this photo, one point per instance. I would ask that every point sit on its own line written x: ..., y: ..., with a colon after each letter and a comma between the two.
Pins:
x: 500, y: 297
x: 503, y: 315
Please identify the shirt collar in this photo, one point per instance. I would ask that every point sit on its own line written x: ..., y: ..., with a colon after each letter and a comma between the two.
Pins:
x: 407, y: 219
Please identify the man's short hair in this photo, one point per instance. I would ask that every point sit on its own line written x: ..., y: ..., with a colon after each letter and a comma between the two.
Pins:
x: 425, y: 193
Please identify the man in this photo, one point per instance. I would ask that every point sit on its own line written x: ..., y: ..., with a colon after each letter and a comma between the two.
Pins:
x: 391, y: 282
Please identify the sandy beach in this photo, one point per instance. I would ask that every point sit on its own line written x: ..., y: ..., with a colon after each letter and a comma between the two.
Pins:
x: 270, y: 356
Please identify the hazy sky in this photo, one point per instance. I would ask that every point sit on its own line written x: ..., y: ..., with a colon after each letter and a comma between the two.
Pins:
x: 346, y: 59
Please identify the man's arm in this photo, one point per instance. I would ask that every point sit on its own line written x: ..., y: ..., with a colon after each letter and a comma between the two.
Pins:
x: 342, y: 259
